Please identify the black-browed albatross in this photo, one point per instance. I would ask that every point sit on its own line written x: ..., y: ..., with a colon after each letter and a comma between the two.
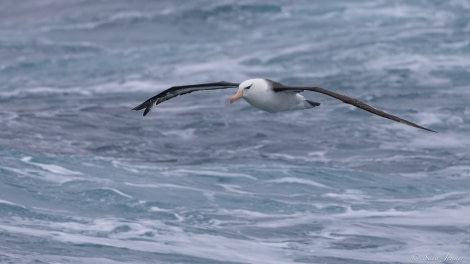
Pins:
x: 267, y: 95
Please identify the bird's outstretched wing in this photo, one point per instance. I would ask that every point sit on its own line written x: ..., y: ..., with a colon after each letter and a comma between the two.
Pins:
x: 277, y: 87
x: 180, y: 90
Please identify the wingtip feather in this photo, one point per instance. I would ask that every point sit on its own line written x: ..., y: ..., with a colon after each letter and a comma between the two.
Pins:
x: 427, y: 129
x: 416, y: 126
x: 147, y: 105
x: 140, y: 107
x: 147, y: 110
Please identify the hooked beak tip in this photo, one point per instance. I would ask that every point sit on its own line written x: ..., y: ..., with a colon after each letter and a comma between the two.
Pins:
x: 237, y: 96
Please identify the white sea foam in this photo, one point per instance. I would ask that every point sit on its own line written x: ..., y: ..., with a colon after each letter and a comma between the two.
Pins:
x: 11, y: 203
x: 394, y: 11
x: 158, y: 209
x: 41, y: 174
x: 113, y: 18
x: 353, y: 213
x: 283, y: 156
x: 299, y: 181
x: 48, y: 172
x: 221, y: 174
x: 130, y: 86
x: 36, y: 91
x: 116, y: 191
x: 418, y: 62
x: 448, y: 141
x: 12, y: 256
x: 451, y: 173
x: 456, y: 216
x: 51, y: 167
x: 233, y: 188
x: 185, y: 134
x: 348, y: 195
x: 197, y: 245
x: 164, y: 186
x: 127, y: 167
x: 453, y: 198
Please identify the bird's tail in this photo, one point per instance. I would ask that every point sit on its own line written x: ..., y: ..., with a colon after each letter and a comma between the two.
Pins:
x: 310, y: 104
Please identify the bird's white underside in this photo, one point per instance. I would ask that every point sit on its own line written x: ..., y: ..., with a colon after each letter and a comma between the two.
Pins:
x: 262, y: 96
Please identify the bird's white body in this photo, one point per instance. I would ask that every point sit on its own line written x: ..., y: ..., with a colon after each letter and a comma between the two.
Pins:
x: 260, y: 94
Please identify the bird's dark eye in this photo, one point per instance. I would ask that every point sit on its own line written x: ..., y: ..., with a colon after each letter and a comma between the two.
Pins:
x: 248, y: 87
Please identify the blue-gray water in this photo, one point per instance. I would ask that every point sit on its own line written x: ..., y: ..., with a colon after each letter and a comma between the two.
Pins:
x: 85, y: 180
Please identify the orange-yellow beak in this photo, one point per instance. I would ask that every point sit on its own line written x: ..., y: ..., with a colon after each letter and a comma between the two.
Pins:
x: 237, y: 96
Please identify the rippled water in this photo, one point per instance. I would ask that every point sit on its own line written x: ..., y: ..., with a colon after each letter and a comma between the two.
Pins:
x: 85, y: 180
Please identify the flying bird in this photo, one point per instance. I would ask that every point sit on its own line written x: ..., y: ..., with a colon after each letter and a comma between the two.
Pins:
x: 269, y: 96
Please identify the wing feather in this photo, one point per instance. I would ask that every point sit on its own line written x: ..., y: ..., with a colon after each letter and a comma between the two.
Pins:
x: 277, y: 87
x: 181, y: 90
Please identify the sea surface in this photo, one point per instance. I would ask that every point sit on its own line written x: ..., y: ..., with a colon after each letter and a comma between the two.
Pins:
x: 83, y: 179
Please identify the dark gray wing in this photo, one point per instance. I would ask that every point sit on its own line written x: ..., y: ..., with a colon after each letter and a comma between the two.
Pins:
x: 180, y: 90
x: 277, y: 87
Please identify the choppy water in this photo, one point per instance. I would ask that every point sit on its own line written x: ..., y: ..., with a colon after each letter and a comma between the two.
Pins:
x: 85, y: 180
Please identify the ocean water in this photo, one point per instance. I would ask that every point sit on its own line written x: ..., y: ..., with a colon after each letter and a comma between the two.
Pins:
x: 83, y: 179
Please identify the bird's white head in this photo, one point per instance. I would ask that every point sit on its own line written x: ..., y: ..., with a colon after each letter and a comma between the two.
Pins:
x: 248, y: 87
